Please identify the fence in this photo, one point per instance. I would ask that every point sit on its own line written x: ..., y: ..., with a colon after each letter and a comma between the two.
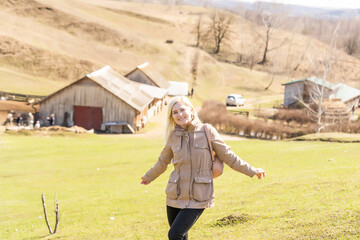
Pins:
x: 20, y: 97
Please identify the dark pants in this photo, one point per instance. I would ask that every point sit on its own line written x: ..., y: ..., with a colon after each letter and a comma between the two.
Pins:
x: 181, y: 220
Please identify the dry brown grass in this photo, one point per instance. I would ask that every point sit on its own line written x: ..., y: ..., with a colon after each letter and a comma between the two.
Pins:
x: 72, y: 37
x: 43, y: 63
x: 70, y: 23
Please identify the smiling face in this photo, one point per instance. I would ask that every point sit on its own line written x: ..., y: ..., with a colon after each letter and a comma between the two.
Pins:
x: 181, y: 114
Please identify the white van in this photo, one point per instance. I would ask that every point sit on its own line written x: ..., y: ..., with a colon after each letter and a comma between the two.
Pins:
x: 235, y: 100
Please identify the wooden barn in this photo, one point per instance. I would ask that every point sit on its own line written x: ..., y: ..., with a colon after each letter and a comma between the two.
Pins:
x: 144, y: 74
x: 102, y: 100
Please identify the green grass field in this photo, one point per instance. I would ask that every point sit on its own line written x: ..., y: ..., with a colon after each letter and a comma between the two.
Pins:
x: 311, y: 190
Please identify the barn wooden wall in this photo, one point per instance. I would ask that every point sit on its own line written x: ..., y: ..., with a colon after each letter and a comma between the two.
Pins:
x: 90, y: 94
x: 292, y: 91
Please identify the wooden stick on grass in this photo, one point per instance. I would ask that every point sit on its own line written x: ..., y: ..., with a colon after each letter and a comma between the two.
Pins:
x: 56, y: 213
x: 46, y: 218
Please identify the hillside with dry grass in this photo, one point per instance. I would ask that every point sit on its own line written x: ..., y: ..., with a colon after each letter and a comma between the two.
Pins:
x: 46, y: 44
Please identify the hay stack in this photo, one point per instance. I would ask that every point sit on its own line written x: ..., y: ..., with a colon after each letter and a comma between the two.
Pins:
x: 335, y: 111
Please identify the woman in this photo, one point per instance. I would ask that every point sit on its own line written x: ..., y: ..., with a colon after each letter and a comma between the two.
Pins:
x: 190, y: 188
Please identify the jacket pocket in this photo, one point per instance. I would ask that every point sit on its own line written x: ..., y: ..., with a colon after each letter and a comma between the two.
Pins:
x: 202, y: 188
x: 176, y: 145
x: 172, y: 188
x: 200, y: 140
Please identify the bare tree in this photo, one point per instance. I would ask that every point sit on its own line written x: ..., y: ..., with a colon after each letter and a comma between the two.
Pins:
x: 314, y: 94
x: 268, y: 22
x: 220, y: 28
x: 269, y: 18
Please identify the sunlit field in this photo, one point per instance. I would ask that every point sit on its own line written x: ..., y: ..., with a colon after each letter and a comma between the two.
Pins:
x: 311, y: 190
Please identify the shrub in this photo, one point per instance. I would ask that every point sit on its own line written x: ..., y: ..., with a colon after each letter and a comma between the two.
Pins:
x: 286, y: 126
x: 300, y: 116
x: 354, y: 127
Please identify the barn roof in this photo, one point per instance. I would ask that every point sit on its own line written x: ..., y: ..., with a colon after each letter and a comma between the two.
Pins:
x: 152, y: 74
x: 315, y: 80
x: 120, y: 86
x: 131, y: 93
x: 153, y: 91
x: 345, y: 92
x: 178, y: 88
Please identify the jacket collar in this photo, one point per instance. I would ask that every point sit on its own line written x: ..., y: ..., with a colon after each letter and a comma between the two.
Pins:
x: 190, y: 127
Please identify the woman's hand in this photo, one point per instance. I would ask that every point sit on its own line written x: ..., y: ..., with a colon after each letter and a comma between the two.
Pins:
x: 260, y: 173
x: 144, y: 182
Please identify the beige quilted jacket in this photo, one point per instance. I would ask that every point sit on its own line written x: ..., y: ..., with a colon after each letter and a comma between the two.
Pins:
x: 190, y: 184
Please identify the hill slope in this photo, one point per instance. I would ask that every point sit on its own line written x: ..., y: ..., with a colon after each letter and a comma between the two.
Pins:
x: 46, y: 44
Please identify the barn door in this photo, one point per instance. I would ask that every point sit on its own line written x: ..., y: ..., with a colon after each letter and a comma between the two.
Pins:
x: 88, y: 117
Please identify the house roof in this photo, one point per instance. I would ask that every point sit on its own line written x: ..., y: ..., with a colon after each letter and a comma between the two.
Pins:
x: 315, y: 80
x: 341, y: 91
x: 152, y: 74
x: 155, y: 92
x: 120, y: 86
x: 345, y: 92
x: 178, y: 88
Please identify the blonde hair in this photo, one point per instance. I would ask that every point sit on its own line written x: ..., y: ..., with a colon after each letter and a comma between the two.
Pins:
x: 170, y: 123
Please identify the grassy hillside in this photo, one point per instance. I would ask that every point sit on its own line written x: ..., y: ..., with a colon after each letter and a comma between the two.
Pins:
x: 311, y: 190
x: 12, y: 80
x: 46, y: 44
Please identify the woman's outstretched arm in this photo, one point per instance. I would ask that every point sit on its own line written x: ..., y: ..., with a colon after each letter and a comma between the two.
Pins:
x: 226, y: 155
x: 159, y: 167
